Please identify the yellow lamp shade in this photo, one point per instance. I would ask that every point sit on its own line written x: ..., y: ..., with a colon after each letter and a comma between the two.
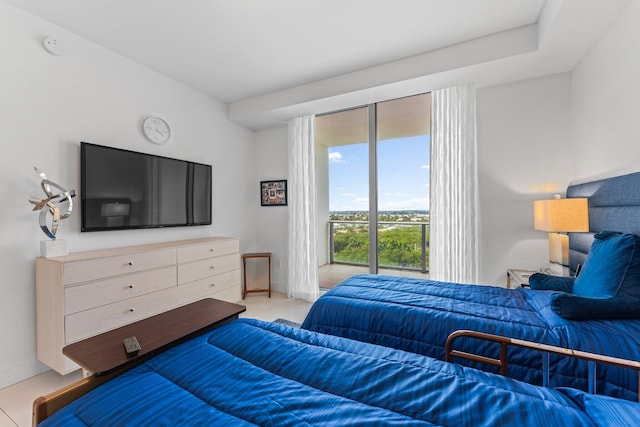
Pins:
x: 563, y: 215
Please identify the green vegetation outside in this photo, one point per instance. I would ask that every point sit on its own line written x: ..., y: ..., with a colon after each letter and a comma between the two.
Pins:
x: 398, y: 245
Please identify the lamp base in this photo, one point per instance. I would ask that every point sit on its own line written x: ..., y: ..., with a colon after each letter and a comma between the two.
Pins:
x: 559, y: 254
x: 53, y: 248
x: 558, y: 248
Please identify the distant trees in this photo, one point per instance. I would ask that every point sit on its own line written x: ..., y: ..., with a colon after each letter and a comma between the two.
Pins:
x: 401, y: 247
x: 398, y: 245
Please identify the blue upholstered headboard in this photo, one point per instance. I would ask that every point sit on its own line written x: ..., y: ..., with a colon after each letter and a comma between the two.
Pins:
x: 614, y: 205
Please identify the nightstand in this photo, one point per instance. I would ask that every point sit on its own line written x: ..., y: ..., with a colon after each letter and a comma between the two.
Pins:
x: 517, y: 278
x: 265, y: 255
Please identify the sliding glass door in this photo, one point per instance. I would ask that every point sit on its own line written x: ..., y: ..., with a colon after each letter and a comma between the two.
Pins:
x: 373, y: 185
x: 402, y: 135
x: 342, y: 171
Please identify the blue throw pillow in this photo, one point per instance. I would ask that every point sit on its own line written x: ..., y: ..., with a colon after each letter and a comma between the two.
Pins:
x: 578, y: 308
x: 612, y: 263
x: 608, y: 287
x: 547, y: 282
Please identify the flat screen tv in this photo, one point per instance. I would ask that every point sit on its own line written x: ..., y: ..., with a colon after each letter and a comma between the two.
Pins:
x: 122, y: 189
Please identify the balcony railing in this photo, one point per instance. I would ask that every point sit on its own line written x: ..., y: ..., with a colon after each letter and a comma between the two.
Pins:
x: 401, y: 245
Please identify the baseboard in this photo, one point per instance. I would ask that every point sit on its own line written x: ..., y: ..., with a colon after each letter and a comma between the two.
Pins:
x: 13, y: 374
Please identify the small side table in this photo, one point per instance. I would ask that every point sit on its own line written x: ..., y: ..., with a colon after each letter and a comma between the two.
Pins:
x: 517, y: 278
x: 266, y: 255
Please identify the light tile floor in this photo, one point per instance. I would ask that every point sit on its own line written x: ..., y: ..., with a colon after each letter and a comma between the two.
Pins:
x: 330, y: 275
x: 16, y: 400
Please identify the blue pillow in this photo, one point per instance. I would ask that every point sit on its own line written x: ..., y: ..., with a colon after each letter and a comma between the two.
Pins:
x: 613, y: 262
x: 578, y: 308
x: 547, y: 282
x: 608, y: 287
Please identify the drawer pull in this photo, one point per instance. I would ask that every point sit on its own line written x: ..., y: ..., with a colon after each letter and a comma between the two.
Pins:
x: 212, y: 250
x: 130, y: 263
x: 131, y: 286
x: 212, y: 285
x: 131, y: 310
x: 212, y: 267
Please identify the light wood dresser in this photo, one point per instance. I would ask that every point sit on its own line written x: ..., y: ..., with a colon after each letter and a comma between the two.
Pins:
x: 87, y: 293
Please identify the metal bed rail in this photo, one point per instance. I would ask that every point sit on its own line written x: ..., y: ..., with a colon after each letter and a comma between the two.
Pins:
x: 502, y: 361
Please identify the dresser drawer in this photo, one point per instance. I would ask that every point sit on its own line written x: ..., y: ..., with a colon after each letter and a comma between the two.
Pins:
x: 208, y: 267
x: 208, y: 287
x: 207, y: 250
x: 106, y: 291
x: 100, y: 268
x: 101, y: 319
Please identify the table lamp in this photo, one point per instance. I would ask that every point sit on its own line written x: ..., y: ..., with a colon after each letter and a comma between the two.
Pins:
x: 560, y: 216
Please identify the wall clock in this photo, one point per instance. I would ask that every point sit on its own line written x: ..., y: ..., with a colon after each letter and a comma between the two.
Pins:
x: 156, y: 130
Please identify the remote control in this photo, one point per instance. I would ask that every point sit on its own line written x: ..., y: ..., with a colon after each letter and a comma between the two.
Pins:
x: 131, y: 346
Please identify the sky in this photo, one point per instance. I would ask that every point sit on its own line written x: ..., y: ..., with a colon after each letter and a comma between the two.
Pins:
x: 403, y: 175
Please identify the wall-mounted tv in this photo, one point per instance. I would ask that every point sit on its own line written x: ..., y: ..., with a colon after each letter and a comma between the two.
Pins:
x: 122, y: 189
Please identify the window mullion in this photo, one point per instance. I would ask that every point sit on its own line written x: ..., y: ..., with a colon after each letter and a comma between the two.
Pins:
x: 373, y: 190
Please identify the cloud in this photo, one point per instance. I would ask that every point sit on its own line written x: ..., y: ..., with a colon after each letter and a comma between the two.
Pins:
x: 411, y: 204
x: 355, y: 204
x: 427, y: 166
x: 335, y: 157
x: 394, y: 193
x: 361, y: 200
x: 348, y: 195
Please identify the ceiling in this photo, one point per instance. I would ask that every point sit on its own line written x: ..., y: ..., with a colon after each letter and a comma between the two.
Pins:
x: 397, y: 118
x: 270, y: 60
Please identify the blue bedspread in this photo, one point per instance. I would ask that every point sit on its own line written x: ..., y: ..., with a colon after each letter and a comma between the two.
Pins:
x: 418, y: 315
x: 258, y: 373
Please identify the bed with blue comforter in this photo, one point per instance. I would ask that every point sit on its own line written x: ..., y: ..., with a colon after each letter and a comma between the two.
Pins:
x: 418, y: 315
x: 250, y: 372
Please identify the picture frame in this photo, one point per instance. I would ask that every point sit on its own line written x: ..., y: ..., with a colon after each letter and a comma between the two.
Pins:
x: 273, y: 193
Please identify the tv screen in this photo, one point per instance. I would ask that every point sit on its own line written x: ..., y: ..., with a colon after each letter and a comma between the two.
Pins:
x: 122, y: 189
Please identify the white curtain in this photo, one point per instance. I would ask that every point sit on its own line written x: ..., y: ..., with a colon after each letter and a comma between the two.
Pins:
x: 453, y: 255
x: 303, y: 260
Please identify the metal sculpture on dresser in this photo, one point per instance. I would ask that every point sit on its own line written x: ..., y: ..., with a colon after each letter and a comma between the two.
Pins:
x: 59, y: 205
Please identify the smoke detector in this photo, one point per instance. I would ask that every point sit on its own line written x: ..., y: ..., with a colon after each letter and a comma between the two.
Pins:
x: 52, y: 46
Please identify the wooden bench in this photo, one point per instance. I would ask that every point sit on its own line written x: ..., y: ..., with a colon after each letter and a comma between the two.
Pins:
x: 103, y: 356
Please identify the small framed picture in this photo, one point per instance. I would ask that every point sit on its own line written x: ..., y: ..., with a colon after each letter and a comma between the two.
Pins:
x: 273, y: 193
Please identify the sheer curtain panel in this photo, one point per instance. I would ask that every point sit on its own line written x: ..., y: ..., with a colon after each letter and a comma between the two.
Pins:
x: 303, y: 260
x: 453, y: 253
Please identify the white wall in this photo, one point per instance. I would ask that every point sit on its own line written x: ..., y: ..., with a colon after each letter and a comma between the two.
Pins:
x: 272, y: 221
x: 536, y: 137
x: 524, y: 154
x: 606, y: 102
x: 48, y: 105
